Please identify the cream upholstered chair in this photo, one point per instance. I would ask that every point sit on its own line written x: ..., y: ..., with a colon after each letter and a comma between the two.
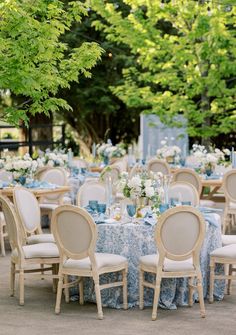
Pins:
x: 25, y: 257
x: 185, y: 192
x: 227, y: 256
x: 28, y: 211
x: 5, y: 176
x: 75, y: 233
x: 179, y: 236
x: 158, y: 165
x: 229, y: 187
x: 80, y: 163
x: 91, y: 190
x: 190, y: 176
x: 57, y: 176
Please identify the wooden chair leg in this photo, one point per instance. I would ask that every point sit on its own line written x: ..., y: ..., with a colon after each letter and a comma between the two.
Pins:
x: 98, y: 297
x: 22, y: 287
x: 12, y: 279
x: 212, y: 280
x: 226, y: 222
x: 141, y: 288
x: 54, y: 280
x: 200, y: 294
x: 59, y: 293
x: 190, y: 291
x: 66, y: 290
x: 3, y: 252
x: 125, y: 289
x: 81, y: 291
x: 229, y: 280
x: 156, y: 297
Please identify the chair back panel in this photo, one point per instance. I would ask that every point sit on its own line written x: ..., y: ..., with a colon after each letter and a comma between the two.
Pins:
x: 14, y: 233
x: 185, y: 192
x: 55, y: 176
x: 229, y: 185
x: 28, y: 209
x: 5, y: 176
x: 92, y: 190
x: 158, y: 165
x: 74, y: 230
x: 180, y: 232
x: 190, y: 177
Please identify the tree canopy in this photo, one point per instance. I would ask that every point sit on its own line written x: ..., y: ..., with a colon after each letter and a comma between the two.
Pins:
x: 185, y: 60
x: 34, y: 62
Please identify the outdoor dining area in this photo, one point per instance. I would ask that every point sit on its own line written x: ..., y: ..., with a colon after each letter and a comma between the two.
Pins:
x: 117, y: 167
x: 121, y: 235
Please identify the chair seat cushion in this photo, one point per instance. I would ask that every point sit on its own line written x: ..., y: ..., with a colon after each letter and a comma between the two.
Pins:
x: 169, y: 265
x: 228, y: 251
x: 103, y: 260
x: 40, y: 250
x: 48, y: 206
x: 40, y: 238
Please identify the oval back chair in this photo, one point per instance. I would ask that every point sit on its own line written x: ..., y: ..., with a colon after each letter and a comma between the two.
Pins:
x: 158, y: 165
x: 184, y: 192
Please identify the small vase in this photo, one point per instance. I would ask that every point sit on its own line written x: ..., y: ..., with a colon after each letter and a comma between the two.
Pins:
x: 21, y: 180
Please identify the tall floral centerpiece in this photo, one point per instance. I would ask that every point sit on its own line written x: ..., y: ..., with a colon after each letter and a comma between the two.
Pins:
x: 208, y: 159
x: 171, y: 153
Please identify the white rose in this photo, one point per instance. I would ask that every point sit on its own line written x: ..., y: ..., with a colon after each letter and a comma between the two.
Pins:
x: 149, y: 192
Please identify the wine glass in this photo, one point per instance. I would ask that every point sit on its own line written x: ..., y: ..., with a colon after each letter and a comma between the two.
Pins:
x: 131, y: 210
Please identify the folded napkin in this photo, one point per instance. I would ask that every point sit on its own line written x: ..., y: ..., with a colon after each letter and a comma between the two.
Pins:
x: 41, y: 184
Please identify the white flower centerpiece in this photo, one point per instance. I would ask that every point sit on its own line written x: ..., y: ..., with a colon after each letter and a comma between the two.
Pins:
x: 171, y: 153
x: 22, y: 168
x: 209, y: 159
x: 106, y: 151
x: 54, y: 158
x: 140, y: 189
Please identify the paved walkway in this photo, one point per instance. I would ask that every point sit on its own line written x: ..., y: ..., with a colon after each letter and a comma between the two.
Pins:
x: 37, y: 316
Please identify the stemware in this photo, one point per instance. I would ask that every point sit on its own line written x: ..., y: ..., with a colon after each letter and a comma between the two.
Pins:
x: 131, y: 210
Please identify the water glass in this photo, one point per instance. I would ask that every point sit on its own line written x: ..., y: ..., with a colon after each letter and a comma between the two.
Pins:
x: 131, y: 210
x: 93, y: 204
x: 174, y: 202
x: 101, y: 208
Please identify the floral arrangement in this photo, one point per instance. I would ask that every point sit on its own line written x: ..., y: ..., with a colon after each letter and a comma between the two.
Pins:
x: 136, y: 187
x: 209, y: 159
x: 22, y: 166
x: 169, y: 152
x: 107, y: 150
x: 53, y: 158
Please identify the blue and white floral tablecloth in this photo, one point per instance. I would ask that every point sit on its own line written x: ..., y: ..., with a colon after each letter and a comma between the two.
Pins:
x: 133, y: 241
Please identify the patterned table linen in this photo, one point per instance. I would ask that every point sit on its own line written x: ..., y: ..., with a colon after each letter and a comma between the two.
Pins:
x: 133, y: 241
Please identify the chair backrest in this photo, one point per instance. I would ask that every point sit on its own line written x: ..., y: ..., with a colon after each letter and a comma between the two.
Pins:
x: 74, y: 231
x: 57, y: 176
x: 190, y: 176
x: 179, y: 233
x: 91, y: 190
x: 5, y: 176
x: 184, y: 192
x: 229, y: 185
x: 121, y: 163
x: 80, y: 163
x: 13, y: 229
x: 158, y: 165
x: 27, y: 209
x: 136, y: 169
